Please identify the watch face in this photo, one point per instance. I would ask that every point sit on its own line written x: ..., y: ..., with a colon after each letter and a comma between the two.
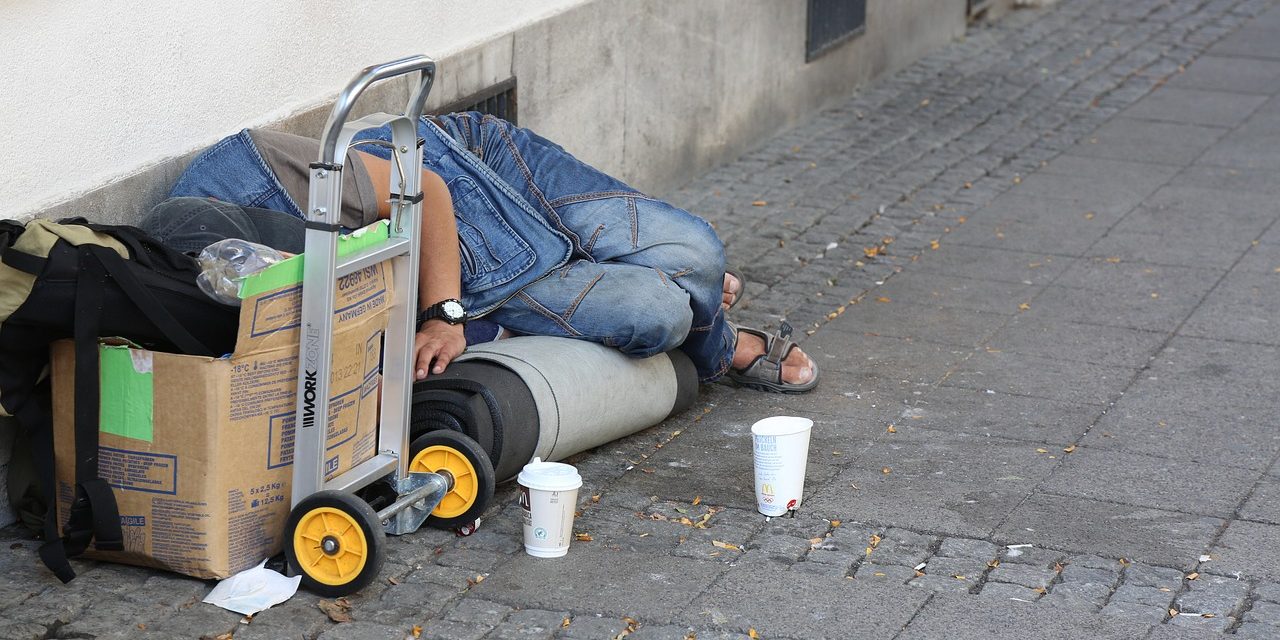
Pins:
x: 452, y: 310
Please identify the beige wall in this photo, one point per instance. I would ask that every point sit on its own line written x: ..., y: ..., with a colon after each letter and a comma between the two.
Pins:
x: 96, y: 91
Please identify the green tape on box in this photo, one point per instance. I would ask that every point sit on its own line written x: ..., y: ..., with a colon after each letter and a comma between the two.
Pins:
x: 289, y: 272
x: 127, y: 392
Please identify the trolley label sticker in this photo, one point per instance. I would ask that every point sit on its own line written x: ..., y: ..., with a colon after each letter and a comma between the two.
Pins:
x: 282, y: 310
x: 282, y: 434
x: 138, y: 470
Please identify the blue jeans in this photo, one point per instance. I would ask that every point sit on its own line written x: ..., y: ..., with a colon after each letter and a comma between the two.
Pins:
x: 549, y: 245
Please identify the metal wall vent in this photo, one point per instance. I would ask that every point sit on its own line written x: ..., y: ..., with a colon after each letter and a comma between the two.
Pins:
x: 498, y: 100
x: 832, y: 23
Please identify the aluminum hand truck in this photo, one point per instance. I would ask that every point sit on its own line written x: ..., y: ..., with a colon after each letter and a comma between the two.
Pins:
x: 333, y: 538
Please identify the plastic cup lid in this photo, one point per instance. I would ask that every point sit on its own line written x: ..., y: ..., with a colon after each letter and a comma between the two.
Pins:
x: 781, y: 426
x: 549, y: 476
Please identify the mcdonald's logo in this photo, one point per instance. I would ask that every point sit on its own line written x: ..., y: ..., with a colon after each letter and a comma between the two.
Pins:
x: 766, y: 489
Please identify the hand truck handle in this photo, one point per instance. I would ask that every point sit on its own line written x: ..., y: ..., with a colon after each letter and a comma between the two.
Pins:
x: 369, y: 75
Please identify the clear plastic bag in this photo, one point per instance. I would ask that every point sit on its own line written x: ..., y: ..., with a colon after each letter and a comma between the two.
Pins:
x: 225, y: 263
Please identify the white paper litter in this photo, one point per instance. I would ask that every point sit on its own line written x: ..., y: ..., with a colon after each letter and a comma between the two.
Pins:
x: 253, y: 590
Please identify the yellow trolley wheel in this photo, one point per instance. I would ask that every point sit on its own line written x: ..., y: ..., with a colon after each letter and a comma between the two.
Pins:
x: 455, y: 456
x: 334, y: 540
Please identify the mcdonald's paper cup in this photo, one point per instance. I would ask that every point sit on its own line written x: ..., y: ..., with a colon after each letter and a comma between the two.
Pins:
x: 549, y: 496
x: 781, y: 452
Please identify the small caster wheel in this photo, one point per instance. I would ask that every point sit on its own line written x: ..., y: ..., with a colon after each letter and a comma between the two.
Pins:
x: 455, y: 455
x: 334, y: 540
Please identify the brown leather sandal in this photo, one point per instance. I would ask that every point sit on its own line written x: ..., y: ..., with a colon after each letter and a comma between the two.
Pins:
x: 765, y: 371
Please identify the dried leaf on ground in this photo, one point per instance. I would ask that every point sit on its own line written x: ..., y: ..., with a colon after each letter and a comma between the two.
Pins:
x: 886, y: 470
x: 726, y: 545
x: 759, y: 203
x: 583, y: 537
x: 338, y: 610
x: 933, y: 244
x: 1024, y: 306
x: 564, y: 624
x: 884, y: 299
x: 892, y: 429
x: 416, y: 631
x: 1193, y: 575
x: 1070, y: 449
x: 697, y: 500
x: 751, y: 633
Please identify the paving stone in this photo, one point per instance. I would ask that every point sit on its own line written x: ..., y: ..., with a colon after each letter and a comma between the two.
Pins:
x: 1195, y: 106
x: 1236, y: 441
x: 1025, y: 575
x: 1144, y: 575
x: 1077, y: 573
x: 359, y: 630
x: 937, y: 582
x: 1264, y: 612
x: 1003, y: 415
x: 1214, y: 595
x: 593, y: 627
x: 478, y: 611
x: 574, y: 583
x: 946, y: 325
x: 1140, y: 613
x: 23, y: 631
x: 948, y: 616
x: 1144, y: 481
x: 1245, y: 549
x: 1132, y: 139
x: 847, y: 608
x: 664, y: 632
x: 967, y: 548
x: 1267, y: 591
x: 1040, y: 377
x: 1238, y: 309
x: 1007, y: 591
x: 1255, y: 631
x: 1073, y: 341
x: 971, y: 569
x: 1031, y: 555
x: 889, y: 573
x: 1150, y: 596
x: 1213, y: 623
x: 1218, y: 73
x: 1078, y: 594
x: 1138, y: 533
x: 454, y: 630
x: 530, y: 624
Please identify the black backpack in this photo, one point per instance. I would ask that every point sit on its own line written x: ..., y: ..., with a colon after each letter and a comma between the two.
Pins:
x: 72, y: 279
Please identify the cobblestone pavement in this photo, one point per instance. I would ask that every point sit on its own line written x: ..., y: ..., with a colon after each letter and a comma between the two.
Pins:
x: 1038, y: 268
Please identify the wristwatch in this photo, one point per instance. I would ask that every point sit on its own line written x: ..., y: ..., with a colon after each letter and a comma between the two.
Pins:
x: 450, y: 310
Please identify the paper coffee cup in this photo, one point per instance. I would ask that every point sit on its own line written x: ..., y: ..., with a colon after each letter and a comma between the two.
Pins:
x: 780, y: 448
x: 549, y: 497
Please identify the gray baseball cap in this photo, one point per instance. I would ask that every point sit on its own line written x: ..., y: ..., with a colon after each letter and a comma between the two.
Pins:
x: 190, y: 224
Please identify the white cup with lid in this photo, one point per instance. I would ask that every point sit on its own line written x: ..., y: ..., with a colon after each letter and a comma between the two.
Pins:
x: 549, y: 497
x: 781, y: 453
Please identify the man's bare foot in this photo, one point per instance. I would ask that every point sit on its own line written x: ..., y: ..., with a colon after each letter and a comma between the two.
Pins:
x: 731, y: 292
x: 797, y: 367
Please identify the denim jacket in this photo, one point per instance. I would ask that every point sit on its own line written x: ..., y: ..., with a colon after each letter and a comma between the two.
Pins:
x: 503, y: 242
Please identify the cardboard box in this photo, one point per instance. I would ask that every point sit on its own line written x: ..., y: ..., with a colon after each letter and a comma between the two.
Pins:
x: 199, y: 450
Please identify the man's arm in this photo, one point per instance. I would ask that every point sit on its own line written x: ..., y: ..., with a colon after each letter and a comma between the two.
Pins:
x: 439, y: 272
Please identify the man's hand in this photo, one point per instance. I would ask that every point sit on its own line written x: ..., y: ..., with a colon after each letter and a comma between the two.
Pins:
x: 440, y: 342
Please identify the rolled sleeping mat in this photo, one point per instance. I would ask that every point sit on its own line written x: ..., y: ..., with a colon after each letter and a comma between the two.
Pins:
x: 586, y: 394
x: 485, y: 401
x: 550, y: 397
